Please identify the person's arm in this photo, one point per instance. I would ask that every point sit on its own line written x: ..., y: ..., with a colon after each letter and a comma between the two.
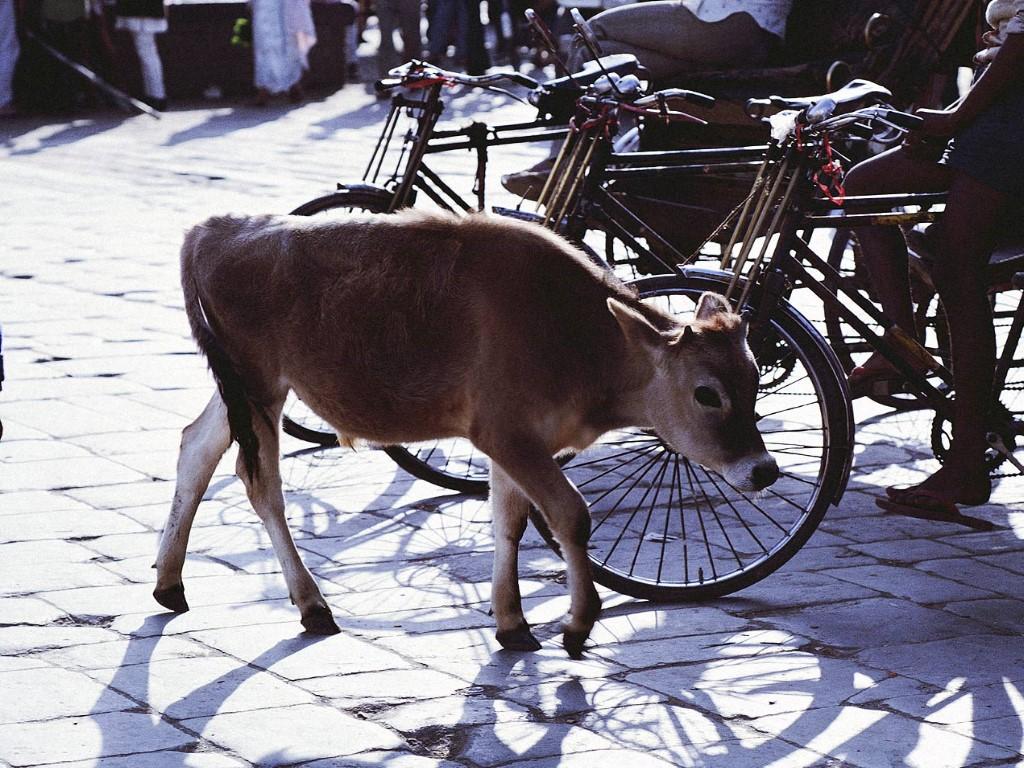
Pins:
x: 1006, y: 67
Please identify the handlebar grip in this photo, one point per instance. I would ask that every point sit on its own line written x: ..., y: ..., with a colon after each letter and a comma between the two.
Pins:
x: 902, y: 119
x: 700, y: 99
x: 385, y: 84
x: 520, y: 79
x: 757, y: 107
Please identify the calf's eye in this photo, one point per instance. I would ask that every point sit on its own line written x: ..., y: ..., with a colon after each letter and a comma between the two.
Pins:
x: 708, y: 397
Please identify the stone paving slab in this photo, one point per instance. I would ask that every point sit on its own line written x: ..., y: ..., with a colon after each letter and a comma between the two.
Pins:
x: 885, y: 642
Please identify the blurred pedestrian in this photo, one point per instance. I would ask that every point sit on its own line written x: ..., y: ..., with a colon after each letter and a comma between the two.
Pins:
x: 144, y: 20
x: 9, y: 51
x: 464, y: 15
x: 282, y: 34
x: 403, y: 15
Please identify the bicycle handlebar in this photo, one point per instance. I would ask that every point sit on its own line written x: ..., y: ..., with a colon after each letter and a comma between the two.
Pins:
x: 904, y: 120
x: 417, y: 71
x: 692, y: 97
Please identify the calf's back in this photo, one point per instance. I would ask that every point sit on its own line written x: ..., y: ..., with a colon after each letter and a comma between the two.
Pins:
x: 404, y: 327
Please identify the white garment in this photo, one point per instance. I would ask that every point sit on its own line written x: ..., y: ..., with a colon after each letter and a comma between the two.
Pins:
x: 141, y: 24
x: 1005, y: 17
x: 770, y: 15
x: 282, y: 34
x: 149, y: 61
x: 8, y: 51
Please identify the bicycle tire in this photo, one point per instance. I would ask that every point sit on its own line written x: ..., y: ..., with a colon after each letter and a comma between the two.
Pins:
x: 652, y: 572
x: 451, y: 463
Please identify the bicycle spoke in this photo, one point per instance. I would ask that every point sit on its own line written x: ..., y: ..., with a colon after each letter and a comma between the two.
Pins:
x: 732, y: 506
x: 612, y: 469
x: 718, y: 520
x: 642, y: 474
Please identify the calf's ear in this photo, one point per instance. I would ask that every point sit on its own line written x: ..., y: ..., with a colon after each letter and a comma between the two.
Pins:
x: 711, y: 304
x: 635, y: 326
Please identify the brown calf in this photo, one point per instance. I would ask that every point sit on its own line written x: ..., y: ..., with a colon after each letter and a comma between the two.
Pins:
x: 417, y: 326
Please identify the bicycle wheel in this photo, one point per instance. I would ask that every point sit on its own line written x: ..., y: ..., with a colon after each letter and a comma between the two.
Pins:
x: 451, y: 463
x: 664, y: 528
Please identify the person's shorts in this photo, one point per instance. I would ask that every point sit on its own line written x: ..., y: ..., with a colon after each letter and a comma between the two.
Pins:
x: 991, y: 149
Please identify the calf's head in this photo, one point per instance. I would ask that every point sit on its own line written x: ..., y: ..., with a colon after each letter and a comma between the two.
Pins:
x: 700, y: 395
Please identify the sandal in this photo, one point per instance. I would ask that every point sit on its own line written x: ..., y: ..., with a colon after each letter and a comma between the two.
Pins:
x: 929, y: 505
x: 864, y: 382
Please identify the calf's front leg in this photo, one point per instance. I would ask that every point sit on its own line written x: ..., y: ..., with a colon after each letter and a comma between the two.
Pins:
x: 538, y: 476
x: 509, y: 510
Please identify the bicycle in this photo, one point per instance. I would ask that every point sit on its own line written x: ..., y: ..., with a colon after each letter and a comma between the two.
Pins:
x: 645, y: 494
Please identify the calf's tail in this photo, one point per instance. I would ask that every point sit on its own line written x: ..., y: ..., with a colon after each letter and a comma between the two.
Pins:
x: 229, y: 381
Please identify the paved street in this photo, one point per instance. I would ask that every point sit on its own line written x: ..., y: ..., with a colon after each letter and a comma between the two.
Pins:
x: 885, y: 642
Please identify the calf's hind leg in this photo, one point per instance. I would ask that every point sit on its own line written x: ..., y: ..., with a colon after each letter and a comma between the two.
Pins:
x: 531, y: 467
x: 267, y: 498
x: 203, y: 442
x: 509, y: 510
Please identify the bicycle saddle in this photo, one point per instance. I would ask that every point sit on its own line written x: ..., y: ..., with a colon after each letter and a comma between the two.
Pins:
x: 854, y: 92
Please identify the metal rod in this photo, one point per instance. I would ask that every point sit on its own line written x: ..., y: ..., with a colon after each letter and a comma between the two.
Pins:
x: 756, y: 188
x: 772, y: 229
x: 577, y: 179
x: 558, y: 183
x: 382, y: 144
x: 758, y: 219
x: 556, y: 169
x: 123, y: 100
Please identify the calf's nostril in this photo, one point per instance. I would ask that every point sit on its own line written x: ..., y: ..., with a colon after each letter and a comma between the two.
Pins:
x: 764, y: 474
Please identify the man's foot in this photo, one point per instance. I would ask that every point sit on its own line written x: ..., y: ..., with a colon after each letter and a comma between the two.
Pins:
x: 296, y: 94
x: 937, y: 497
x: 529, y: 183
x: 8, y: 110
x: 262, y: 98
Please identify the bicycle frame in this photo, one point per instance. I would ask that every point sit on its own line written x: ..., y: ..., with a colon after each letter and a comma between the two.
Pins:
x: 580, y: 194
x: 783, y: 209
x: 414, y: 175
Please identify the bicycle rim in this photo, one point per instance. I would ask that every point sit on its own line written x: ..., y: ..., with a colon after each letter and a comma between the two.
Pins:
x: 668, y: 529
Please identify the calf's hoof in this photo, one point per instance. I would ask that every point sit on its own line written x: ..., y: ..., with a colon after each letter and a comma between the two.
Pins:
x: 518, y: 639
x: 573, y: 642
x: 172, y: 598
x: 319, y: 621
